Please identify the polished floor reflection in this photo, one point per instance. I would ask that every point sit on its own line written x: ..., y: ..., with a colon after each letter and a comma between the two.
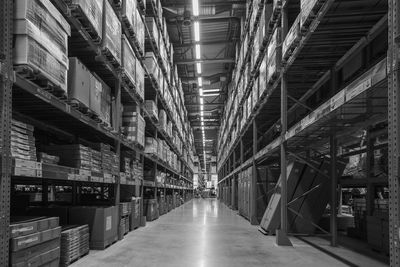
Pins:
x: 206, y: 233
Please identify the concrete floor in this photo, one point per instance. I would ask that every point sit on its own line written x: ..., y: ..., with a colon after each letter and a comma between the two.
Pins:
x: 206, y: 233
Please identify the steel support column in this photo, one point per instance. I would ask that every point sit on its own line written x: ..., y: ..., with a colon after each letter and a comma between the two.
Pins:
x: 394, y: 132
x: 254, y: 178
x: 281, y: 234
x: 6, y: 81
x: 334, y: 184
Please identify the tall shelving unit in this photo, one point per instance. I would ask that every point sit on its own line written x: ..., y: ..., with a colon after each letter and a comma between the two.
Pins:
x: 55, y: 115
x: 331, y: 81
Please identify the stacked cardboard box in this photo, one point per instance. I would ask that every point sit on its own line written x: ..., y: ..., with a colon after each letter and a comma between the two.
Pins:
x: 48, y: 159
x: 134, y: 21
x: 111, y: 42
x: 105, y: 157
x: 96, y: 163
x: 162, y: 120
x: 35, y: 241
x: 75, y: 155
x: 22, y: 141
x: 74, y: 243
x: 152, y: 66
x: 125, y: 210
x: 133, y: 125
x: 41, y: 40
x: 140, y: 73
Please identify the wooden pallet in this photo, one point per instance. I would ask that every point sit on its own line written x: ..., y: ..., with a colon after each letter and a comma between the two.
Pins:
x: 37, y: 77
x: 79, y: 15
x: 110, y: 57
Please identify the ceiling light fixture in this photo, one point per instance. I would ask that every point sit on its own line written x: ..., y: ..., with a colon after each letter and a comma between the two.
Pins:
x: 201, y: 101
x: 196, y: 31
x: 200, y: 82
x: 211, y: 90
x: 211, y: 95
x: 198, y: 65
x: 201, y: 92
x: 198, y: 52
x: 195, y: 4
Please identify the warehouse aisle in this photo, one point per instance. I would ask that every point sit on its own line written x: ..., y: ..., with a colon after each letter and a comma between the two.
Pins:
x: 206, y: 233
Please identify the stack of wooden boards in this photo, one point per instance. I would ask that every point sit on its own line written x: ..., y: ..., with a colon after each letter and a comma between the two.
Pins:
x: 74, y: 243
x: 35, y: 241
x: 125, y: 210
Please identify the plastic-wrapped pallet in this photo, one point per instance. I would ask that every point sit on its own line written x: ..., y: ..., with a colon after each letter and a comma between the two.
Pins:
x: 162, y: 119
x: 128, y: 62
x: 111, y: 42
x: 41, y: 40
x: 92, y: 12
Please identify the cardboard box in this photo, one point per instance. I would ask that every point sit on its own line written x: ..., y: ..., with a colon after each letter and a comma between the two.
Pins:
x: 79, y: 82
x: 102, y: 221
x: 128, y: 62
x: 26, y: 241
x: 26, y: 256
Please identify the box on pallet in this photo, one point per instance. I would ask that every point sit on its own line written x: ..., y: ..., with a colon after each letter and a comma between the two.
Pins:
x: 128, y: 62
x: 102, y: 221
x: 133, y: 125
x: 128, y: 12
x: 41, y: 40
x: 153, y: 30
x: 111, y: 42
x: 91, y: 12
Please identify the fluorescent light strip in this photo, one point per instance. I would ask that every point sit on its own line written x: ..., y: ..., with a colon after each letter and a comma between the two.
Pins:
x: 198, y: 52
x: 201, y: 101
x: 211, y: 90
x: 197, y: 31
x: 211, y: 95
x: 201, y: 108
x: 201, y: 92
x: 198, y: 65
x: 195, y: 5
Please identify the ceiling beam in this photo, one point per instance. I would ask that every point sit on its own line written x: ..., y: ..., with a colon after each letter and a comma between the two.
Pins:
x: 204, y: 61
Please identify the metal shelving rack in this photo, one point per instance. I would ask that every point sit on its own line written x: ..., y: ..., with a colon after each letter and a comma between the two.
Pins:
x: 6, y: 80
x: 273, y: 133
x: 58, y: 116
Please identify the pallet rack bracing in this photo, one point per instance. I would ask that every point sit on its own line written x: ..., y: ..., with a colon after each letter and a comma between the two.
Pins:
x: 333, y: 83
x: 53, y: 115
